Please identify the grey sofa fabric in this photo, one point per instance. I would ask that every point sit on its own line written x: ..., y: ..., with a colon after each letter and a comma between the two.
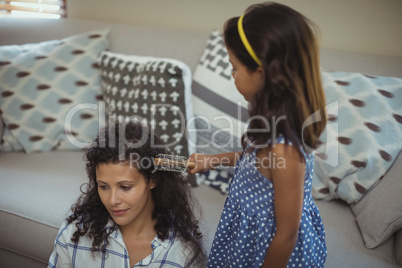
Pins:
x: 344, y: 241
x: 35, y: 202
x: 385, y: 202
x: 182, y: 45
x: 1, y: 129
x: 37, y: 190
x: 398, y: 247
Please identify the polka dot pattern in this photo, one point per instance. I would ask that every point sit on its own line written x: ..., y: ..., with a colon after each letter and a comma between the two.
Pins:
x: 247, y: 225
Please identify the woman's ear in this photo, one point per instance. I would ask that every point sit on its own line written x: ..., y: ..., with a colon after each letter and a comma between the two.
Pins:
x: 152, y: 184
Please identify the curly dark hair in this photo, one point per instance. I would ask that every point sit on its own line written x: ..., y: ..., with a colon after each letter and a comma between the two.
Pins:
x: 172, y: 196
x: 286, y: 43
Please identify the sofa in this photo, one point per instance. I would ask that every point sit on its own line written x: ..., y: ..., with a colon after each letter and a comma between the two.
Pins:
x: 38, y: 188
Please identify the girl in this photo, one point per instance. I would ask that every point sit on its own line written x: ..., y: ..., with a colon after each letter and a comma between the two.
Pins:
x: 129, y: 215
x: 269, y: 218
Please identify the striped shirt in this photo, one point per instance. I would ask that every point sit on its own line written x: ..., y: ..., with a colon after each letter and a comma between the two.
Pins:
x: 168, y: 253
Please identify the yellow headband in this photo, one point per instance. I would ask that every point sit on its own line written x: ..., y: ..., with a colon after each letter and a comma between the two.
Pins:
x: 245, y: 41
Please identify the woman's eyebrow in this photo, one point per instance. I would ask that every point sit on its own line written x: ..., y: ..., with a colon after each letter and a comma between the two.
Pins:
x: 119, y: 182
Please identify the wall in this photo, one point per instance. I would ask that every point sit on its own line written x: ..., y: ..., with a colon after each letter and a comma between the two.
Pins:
x: 368, y: 26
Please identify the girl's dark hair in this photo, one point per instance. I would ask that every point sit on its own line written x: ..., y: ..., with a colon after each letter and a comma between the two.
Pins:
x: 132, y: 143
x: 293, y: 100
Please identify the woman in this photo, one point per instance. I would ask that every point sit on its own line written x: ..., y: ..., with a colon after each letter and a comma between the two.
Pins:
x: 129, y: 215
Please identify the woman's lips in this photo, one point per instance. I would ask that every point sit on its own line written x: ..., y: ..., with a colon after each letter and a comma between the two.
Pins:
x: 118, y: 212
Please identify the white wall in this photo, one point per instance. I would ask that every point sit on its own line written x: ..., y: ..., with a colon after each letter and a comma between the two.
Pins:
x: 368, y: 26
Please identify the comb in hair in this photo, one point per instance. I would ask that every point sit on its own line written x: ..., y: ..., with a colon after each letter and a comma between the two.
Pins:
x: 176, y: 163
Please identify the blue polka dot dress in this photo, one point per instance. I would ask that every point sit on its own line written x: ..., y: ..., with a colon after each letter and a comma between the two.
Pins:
x: 247, y: 225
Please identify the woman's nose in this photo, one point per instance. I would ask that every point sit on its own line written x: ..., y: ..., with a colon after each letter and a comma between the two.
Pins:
x: 114, y: 198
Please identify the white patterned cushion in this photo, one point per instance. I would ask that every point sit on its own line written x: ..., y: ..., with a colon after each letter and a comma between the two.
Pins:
x: 220, y: 110
x: 152, y: 90
x: 365, y: 131
x: 41, y: 83
x: 8, y: 143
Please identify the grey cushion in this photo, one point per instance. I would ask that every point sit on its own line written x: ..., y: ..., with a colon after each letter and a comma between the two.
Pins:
x: 344, y: 243
x: 379, y: 213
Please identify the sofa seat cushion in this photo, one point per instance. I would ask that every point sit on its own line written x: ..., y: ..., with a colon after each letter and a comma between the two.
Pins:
x: 38, y: 190
x: 36, y: 194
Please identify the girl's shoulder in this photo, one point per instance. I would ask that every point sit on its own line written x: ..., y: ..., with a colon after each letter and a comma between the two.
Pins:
x: 278, y: 140
x: 281, y: 139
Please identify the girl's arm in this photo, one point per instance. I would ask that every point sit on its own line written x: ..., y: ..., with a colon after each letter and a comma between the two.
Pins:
x: 204, y: 162
x: 288, y: 182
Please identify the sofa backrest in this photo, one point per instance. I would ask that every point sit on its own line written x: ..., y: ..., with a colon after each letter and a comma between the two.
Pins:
x: 184, y: 45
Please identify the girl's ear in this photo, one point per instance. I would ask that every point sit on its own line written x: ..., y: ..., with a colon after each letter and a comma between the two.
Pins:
x: 259, y: 77
x: 260, y: 72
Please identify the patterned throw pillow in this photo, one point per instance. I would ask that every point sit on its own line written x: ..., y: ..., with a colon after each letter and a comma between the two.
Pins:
x: 8, y: 143
x: 368, y: 139
x: 154, y: 91
x: 220, y: 110
x: 49, y: 93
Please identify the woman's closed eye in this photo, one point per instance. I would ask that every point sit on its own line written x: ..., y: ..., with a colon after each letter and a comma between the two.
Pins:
x: 103, y: 187
x: 125, y: 188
